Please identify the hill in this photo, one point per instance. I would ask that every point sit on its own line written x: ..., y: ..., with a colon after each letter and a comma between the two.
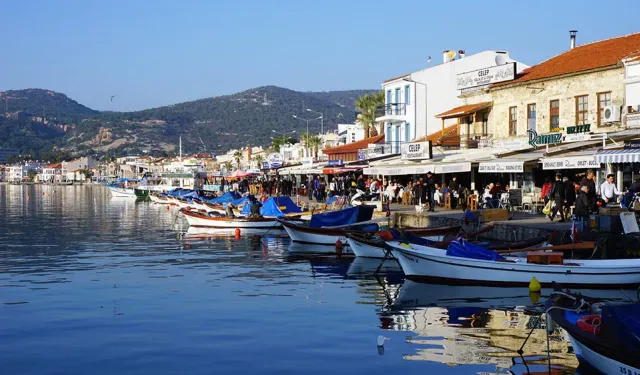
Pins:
x: 207, y: 125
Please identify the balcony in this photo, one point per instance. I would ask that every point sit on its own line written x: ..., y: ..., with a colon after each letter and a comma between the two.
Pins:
x: 391, y: 112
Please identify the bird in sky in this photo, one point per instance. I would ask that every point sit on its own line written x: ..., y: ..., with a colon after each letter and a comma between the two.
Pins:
x: 112, y: 96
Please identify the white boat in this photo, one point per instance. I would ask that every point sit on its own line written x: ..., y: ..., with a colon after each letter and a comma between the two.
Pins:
x: 310, y: 248
x: 199, y: 220
x: 119, y: 192
x: 431, y: 264
x: 603, y: 364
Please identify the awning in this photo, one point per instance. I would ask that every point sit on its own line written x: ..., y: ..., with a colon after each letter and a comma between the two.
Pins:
x: 464, y: 110
x: 442, y: 168
x: 570, y: 162
x: 339, y: 170
x: 399, y: 170
x: 618, y: 156
x: 501, y: 166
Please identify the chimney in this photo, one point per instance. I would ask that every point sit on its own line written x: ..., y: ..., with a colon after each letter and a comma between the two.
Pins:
x: 572, y: 37
x: 445, y: 56
x: 461, y: 53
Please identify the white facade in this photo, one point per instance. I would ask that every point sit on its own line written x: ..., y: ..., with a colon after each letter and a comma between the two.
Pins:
x: 51, y: 174
x: 632, y: 83
x: 413, y: 100
x: 350, y: 133
x: 19, y: 173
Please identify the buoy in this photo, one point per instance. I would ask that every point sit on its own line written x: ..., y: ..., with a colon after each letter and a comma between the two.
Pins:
x: 43, y: 193
x: 385, y: 235
x: 534, y: 285
x: 339, y: 247
x: 381, y: 340
x: 237, y: 233
x: 28, y: 197
x: 534, y: 297
x: 187, y: 245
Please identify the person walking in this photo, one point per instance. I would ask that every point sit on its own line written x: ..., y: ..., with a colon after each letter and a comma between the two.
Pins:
x: 430, y: 189
x: 609, y: 191
x: 590, y: 182
x: 454, y: 187
x: 570, y: 195
x: 558, y: 195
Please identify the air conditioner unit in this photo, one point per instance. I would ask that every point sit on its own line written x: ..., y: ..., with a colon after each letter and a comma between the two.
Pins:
x: 611, y: 113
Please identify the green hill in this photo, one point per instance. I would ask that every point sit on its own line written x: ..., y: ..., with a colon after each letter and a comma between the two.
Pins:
x: 207, y: 125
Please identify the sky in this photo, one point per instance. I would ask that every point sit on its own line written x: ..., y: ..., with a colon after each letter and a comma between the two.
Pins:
x: 159, y: 52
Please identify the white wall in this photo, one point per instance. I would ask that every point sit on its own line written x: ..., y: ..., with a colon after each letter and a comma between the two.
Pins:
x: 440, y: 93
x: 632, y: 84
x: 355, y: 132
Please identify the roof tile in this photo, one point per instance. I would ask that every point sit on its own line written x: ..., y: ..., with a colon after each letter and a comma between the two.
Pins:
x: 355, y: 146
x: 463, y: 110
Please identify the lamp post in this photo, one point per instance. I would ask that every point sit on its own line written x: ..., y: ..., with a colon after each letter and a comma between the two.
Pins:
x: 307, y: 120
x: 321, y: 120
x: 426, y: 115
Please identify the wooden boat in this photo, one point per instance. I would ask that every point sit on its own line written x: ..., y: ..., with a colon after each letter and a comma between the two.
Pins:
x: 159, y: 198
x: 199, y: 220
x: 367, y: 244
x: 119, y: 192
x: 605, y: 335
x: 327, y: 228
x: 489, y: 268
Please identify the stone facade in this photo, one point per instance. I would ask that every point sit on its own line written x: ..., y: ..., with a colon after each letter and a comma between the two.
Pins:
x: 541, y: 93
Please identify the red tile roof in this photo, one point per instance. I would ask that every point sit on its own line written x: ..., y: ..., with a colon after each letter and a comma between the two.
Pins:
x: 463, y: 110
x: 53, y: 166
x: 355, y: 146
x: 602, y: 54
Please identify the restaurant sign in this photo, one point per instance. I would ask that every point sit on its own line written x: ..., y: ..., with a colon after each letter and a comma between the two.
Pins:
x: 586, y: 128
x: 632, y: 145
x: 570, y: 162
x: 275, y: 160
x: 486, y: 76
x: 416, y: 151
x: 335, y: 163
x: 501, y: 167
x: 536, y: 140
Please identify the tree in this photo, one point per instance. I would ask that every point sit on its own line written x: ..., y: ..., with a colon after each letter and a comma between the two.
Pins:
x: 227, y: 165
x: 31, y: 174
x: 314, y: 144
x: 277, y: 142
x: 367, y: 105
x: 237, y: 156
x: 305, y: 138
x: 87, y: 173
x: 259, y: 159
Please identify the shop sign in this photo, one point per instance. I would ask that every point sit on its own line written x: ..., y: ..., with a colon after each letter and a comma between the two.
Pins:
x: 335, y: 163
x: 275, y: 160
x: 586, y: 128
x: 307, y: 162
x: 501, y: 167
x: 510, y: 143
x: 416, y: 151
x: 453, y: 168
x: 576, y: 137
x: 570, y: 162
x: 536, y: 140
x: 486, y: 76
x: 265, y: 165
x: 632, y: 145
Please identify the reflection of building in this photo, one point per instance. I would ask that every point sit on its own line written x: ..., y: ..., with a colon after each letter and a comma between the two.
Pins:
x: 477, y: 336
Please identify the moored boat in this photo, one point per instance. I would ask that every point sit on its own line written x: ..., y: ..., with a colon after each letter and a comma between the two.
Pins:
x: 367, y: 244
x: 465, y: 263
x: 605, y: 335
x: 200, y: 220
x: 120, y: 192
x: 327, y: 228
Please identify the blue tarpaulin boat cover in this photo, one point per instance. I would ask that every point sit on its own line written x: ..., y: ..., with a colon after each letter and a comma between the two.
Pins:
x: 411, y: 238
x: 349, y: 215
x: 272, y: 207
x: 191, y: 194
x: 464, y: 249
x: 227, y: 197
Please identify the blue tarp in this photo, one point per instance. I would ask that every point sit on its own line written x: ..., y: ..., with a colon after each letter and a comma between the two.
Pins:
x: 624, y: 322
x: 464, y: 249
x: 192, y: 194
x: 349, y: 215
x: 227, y: 197
x: 411, y: 238
x: 272, y: 207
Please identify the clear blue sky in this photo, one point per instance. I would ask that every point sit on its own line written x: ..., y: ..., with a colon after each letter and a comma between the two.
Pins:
x: 158, y: 52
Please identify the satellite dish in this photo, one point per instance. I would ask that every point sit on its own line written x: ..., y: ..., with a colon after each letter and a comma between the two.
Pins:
x: 500, y: 60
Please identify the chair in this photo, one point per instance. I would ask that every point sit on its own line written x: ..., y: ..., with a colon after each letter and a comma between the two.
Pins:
x: 447, y: 200
x: 472, y: 202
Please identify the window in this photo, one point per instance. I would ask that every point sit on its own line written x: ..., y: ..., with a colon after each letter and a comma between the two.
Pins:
x: 531, y: 116
x: 407, y: 94
x: 485, y: 123
x: 388, y: 96
x: 582, y: 110
x: 513, y: 121
x: 407, y: 131
x: 398, y: 95
x: 604, y: 99
x: 554, y: 114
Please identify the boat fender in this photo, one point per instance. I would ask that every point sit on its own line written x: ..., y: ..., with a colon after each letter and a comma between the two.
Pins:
x: 385, y: 235
x: 534, y: 285
x: 590, y: 323
x: 237, y: 233
x: 406, y: 245
x: 339, y: 248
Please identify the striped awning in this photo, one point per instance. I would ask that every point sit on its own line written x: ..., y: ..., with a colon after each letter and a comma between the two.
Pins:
x: 618, y: 156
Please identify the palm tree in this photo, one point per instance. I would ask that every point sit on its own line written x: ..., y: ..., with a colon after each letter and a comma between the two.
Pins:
x: 259, y: 159
x: 368, y: 104
x: 237, y: 156
x: 227, y: 165
x: 314, y: 143
x: 277, y: 142
x: 305, y: 138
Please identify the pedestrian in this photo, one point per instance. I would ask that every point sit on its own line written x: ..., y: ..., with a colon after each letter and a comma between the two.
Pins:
x: 583, y: 206
x: 310, y: 188
x: 546, y: 188
x: 570, y: 195
x: 589, y: 181
x: 558, y: 195
x: 454, y: 187
x: 430, y: 189
x: 609, y: 191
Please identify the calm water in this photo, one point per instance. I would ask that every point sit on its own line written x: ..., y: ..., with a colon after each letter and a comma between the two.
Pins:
x: 95, y: 285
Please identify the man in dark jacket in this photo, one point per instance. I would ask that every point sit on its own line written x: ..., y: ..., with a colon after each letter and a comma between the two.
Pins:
x: 454, y: 187
x: 570, y: 193
x: 429, y: 186
x: 583, y: 206
x: 558, y: 195
x: 590, y: 182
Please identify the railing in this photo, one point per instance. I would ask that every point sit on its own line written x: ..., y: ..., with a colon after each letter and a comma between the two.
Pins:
x: 391, y: 109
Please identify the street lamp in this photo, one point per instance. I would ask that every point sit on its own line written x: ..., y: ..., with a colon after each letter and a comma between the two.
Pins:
x: 321, y: 120
x: 307, y: 120
x: 426, y: 115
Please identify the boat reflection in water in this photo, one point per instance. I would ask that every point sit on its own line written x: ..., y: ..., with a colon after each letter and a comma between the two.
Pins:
x: 460, y: 325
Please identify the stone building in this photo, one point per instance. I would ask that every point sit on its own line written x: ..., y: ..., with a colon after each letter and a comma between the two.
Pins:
x: 582, y: 86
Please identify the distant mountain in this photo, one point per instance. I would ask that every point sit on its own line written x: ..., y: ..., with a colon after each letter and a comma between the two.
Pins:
x: 212, y: 125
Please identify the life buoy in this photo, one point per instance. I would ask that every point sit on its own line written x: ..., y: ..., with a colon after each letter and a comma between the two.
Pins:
x: 590, y: 323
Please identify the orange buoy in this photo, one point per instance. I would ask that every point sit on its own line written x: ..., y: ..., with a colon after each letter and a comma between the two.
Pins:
x: 339, y: 247
x: 43, y: 193
x: 187, y: 245
x: 28, y: 197
x: 237, y: 233
x: 385, y: 235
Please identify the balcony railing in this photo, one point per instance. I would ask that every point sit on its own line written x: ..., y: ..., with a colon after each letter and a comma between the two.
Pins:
x: 391, y: 109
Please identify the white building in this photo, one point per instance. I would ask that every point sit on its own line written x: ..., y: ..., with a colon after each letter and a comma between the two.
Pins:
x: 350, y: 133
x: 51, y: 173
x: 632, y: 89
x: 19, y: 173
x: 413, y: 100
